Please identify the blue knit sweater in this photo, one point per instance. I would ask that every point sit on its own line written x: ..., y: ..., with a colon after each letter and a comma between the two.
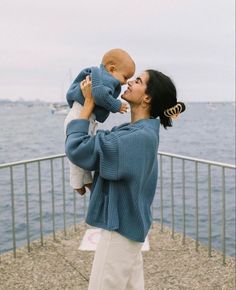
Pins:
x: 105, y: 90
x: 125, y: 164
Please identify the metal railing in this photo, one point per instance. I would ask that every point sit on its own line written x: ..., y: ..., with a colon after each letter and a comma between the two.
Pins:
x: 194, y: 196
x: 38, y: 181
x: 16, y: 174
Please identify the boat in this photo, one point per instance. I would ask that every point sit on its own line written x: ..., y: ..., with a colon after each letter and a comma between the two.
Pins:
x: 59, y: 108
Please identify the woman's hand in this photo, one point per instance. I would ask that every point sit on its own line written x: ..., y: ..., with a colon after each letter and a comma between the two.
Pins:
x: 86, y: 88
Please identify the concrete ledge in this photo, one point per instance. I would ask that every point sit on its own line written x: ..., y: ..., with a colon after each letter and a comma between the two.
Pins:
x: 168, y: 265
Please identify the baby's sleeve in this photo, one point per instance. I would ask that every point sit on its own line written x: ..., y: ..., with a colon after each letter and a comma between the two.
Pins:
x: 103, y: 96
x: 74, y: 90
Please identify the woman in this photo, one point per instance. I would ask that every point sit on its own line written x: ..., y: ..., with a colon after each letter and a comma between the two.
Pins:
x: 125, y: 164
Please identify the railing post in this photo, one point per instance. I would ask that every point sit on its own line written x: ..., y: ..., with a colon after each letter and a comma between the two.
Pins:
x: 74, y: 199
x: 13, y: 212
x: 85, y: 205
x: 27, y: 206
x: 209, y: 210
x: 223, y: 214
x: 152, y: 212
x: 161, y: 191
x: 40, y: 204
x: 172, y: 201
x: 196, y: 203
x: 64, y: 194
x: 53, y: 200
x: 183, y: 200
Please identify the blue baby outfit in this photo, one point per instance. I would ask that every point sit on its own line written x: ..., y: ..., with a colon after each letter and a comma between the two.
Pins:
x: 105, y: 91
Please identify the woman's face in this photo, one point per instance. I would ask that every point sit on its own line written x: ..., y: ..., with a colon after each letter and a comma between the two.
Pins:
x: 136, y: 89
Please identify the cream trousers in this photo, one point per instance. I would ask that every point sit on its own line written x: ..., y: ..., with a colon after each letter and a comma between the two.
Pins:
x: 117, y: 265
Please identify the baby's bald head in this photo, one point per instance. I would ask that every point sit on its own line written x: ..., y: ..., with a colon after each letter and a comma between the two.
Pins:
x: 119, y: 63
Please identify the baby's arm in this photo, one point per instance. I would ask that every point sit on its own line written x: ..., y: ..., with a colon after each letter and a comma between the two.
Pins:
x: 123, y: 109
x: 102, y: 95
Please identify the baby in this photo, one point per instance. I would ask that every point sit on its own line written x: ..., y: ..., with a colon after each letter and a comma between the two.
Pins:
x: 116, y: 68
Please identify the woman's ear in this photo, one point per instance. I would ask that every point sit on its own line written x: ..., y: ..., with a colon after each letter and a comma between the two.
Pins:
x: 147, y: 99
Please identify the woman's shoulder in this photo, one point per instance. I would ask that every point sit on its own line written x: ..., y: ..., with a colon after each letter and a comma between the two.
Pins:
x: 140, y: 124
x: 148, y: 123
x: 142, y: 129
x: 144, y: 126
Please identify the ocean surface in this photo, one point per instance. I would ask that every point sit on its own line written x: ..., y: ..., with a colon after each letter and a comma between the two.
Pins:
x: 205, y: 131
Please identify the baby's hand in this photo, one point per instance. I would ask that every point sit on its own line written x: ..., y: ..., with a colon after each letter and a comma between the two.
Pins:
x: 123, y: 109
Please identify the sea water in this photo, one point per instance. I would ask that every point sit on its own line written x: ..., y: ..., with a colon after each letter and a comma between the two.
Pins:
x: 205, y: 131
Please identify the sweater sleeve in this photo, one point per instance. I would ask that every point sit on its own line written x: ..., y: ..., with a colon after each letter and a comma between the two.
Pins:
x: 103, y: 95
x: 95, y: 153
x: 74, y: 90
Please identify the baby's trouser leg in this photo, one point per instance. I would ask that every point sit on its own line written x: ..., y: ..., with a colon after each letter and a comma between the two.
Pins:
x: 72, y: 115
x: 76, y: 176
x: 88, y: 179
x: 76, y: 173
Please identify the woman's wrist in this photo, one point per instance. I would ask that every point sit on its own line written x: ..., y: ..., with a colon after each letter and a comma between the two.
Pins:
x: 86, y: 88
x: 87, y: 109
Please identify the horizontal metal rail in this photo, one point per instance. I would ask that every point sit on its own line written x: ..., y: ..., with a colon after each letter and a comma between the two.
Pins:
x: 225, y: 165
x: 4, y: 165
x: 204, y: 161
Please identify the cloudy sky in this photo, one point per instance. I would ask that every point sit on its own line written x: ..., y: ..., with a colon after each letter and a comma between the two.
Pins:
x: 46, y: 43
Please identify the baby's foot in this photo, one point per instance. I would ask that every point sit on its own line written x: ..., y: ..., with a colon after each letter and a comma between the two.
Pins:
x: 81, y: 191
x: 89, y: 186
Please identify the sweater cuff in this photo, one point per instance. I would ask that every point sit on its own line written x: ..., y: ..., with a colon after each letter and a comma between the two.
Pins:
x: 76, y: 126
x: 115, y: 106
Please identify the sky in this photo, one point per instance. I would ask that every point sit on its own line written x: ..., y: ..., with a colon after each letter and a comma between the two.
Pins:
x: 45, y: 44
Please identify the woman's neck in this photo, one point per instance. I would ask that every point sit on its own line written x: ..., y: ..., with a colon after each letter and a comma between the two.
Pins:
x: 139, y: 113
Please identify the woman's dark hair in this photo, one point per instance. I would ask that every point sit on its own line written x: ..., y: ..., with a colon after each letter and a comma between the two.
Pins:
x: 163, y: 93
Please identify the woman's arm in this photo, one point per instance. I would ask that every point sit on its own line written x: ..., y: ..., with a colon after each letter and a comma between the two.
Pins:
x: 86, y: 151
x: 95, y: 153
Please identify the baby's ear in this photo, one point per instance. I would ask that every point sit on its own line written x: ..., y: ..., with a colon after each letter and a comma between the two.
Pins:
x: 111, y: 68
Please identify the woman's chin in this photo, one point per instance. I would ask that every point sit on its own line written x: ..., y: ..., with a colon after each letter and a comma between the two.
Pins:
x: 123, y: 97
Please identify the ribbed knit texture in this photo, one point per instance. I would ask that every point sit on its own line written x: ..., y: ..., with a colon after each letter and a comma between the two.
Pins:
x: 125, y: 165
x: 105, y: 90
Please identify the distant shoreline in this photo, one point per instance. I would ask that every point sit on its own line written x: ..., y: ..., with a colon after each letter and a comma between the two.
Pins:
x: 37, y: 101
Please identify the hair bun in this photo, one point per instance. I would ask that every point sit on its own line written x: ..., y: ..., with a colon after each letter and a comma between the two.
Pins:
x: 174, y: 112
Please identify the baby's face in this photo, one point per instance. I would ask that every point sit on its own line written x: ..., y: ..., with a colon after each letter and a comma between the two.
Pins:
x: 123, y: 73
